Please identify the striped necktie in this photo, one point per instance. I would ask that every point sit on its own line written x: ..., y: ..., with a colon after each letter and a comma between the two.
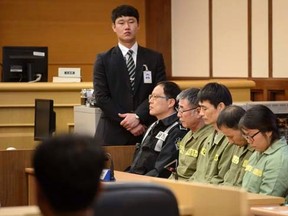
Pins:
x: 131, y: 68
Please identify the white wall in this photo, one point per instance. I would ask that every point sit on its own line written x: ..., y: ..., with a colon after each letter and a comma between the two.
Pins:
x: 228, y: 45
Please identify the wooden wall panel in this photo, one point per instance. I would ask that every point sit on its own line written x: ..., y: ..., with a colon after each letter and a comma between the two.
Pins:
x: 158, y: 29
x: 17, y: 110
x: 14, y: 181
x: 280, y: 38
x: 230, y: 51
x: 190, y: 39
x: 13, y: 187
x: 74, y: 31
x: 260, y: 51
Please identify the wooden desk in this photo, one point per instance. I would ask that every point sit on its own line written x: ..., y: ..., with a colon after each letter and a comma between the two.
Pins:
x: 195, y: 198
x: 253, y: 199
x: 270, y: 211
x: 20, y: 211
x: 199, y: 199
x: 264, y: 200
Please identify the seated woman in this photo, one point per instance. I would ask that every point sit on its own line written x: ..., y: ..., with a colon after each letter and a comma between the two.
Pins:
x: 267, y: 168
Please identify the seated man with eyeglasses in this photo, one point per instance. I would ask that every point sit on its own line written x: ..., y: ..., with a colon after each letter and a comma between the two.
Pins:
x: 159, y: 144
x: 191, y: 144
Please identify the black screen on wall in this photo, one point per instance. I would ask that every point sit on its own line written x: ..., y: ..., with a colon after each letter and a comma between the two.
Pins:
x: 24, y: 64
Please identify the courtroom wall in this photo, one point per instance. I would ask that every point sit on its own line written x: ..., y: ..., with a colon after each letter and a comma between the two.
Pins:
x: 74, y: 31
x: 224, y: 38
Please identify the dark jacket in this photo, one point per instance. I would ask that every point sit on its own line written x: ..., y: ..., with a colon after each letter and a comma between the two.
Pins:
x: 149, y: 160
x: 113, y: 93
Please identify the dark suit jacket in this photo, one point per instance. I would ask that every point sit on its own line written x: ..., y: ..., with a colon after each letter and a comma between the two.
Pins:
x: 113, y: 92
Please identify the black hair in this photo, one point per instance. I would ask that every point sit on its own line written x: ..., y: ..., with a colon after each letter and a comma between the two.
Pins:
x: 124, y: 10
x: 230, y: 117
x: 215, y: 93
x: 67, y: 169
x: 262, y: 118
x: 171, y: 90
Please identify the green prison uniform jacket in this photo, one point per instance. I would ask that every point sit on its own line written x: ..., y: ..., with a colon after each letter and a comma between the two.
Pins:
x: 189, y: 149
x: 214, y: 159
x: 239, y: 161
x: 267, y: 172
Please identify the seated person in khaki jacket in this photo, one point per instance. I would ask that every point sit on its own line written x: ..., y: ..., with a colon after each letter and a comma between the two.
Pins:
x: 227, y: 122
x: 191, y: 144
x: 215, y: 156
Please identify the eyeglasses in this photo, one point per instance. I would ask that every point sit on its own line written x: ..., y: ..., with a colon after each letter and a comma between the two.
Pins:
x: 156, y: 97
x: 180, y: 110
x: 250, y: 138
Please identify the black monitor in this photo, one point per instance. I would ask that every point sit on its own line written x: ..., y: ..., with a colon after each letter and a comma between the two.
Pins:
x: 24, y: 64
x: 45, y: 119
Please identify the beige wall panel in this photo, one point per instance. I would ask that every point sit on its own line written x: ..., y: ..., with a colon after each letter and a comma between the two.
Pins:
x: 280, y: 39
x: 260, y: 52
x: 74, y: 31
x: 230, y: 55
x: 190, y: 38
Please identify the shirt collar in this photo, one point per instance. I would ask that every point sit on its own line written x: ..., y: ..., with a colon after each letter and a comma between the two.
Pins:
x: 275, y: 146
x: 124, y: 49
x: 169, y: 120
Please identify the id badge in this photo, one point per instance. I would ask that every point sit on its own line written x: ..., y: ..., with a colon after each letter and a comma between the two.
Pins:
x: 161, y: 136
x: 147, y: 76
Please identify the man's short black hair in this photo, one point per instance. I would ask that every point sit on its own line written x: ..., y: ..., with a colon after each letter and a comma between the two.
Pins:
x: 215, y: 93
x: 124, y: 10
x: 67, y: 170
x: 171, y: 90
x: 230, y: 117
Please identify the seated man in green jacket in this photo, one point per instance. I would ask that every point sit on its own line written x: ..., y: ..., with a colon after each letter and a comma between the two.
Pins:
x: 215, y: 157
x: 191, y: 144
x: 227, y: 122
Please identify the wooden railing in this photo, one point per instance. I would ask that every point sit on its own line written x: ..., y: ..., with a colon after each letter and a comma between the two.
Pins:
x: 13, y: 180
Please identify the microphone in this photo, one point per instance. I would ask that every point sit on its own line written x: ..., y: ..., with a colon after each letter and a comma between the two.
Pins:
x: 108, y: 174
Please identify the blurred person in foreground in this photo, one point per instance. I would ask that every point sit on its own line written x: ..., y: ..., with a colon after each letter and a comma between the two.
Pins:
x: 67, y: 172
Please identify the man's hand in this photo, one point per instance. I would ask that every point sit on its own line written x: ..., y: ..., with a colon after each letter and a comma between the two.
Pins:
x: 130, y: 121
x: 138, y: 130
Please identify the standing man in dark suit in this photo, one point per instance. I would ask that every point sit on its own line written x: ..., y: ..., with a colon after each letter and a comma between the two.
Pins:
x: 122, y: 85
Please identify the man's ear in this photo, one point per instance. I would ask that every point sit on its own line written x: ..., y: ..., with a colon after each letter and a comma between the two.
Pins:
x: 113, y: 27
x: 171, y: 102
x: 221, y: 106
